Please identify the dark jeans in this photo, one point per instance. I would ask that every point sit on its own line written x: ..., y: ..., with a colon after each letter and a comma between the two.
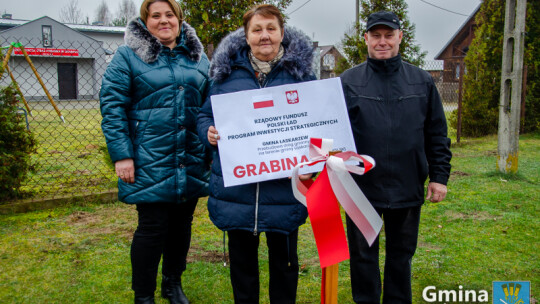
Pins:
x: 401, y: 231
x: 163, y: 230
x: 283, y: 265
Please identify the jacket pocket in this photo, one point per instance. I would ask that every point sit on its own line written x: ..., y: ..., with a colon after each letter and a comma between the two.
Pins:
x: 138, y: 121
x: 407, y: 97
x: 365, y: 111
x: 412, y: 109
x: 371, y: 98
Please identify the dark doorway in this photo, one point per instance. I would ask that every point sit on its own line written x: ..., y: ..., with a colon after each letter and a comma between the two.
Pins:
x: 67, y: 80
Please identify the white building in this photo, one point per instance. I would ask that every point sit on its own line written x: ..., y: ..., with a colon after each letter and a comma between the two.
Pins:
x: 70, y: 59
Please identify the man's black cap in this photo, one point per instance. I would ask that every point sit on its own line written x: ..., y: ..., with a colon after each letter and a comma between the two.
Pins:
x: 383, y: 17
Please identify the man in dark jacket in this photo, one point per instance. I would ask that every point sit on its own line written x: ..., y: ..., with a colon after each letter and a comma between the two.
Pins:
x: 397, y: 118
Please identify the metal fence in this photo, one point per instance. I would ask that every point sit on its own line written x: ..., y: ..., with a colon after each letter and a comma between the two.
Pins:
x: 72, y: 159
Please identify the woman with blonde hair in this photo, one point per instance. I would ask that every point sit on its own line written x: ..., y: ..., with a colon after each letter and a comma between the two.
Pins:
x: 150, y: 98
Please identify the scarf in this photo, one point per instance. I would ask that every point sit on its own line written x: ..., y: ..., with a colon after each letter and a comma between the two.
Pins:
x: 262, y: 68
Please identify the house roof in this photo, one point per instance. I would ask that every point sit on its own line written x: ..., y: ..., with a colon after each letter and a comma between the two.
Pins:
x: 48, y: 20
x: 327, y: 48
x: 79, y: 27
x: 473, y: 14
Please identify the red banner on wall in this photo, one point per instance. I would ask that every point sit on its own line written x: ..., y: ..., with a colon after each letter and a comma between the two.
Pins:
x: 47, y: 52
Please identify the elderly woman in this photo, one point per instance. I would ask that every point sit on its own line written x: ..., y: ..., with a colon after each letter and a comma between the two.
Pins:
x: 151, y: 95
x: 263, y: 53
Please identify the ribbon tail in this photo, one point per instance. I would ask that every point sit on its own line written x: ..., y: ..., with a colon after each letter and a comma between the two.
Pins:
x: 353, y: 200
x: 325, y: 216
x: 299, y: 189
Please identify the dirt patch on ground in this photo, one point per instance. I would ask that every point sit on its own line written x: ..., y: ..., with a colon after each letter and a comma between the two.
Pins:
x: 91, y: 146
x: 428, y: 246
x: 480, y: 216
x: 80, y: 218
x: 490, y: 153
x: 198, y: 254
x: 459, y: 173
x: 121, y: 220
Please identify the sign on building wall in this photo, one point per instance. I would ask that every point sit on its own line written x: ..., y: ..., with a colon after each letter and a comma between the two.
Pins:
x: 47, y: 52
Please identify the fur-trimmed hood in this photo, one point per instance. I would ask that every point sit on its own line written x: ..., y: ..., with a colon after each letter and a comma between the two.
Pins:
x: 297, y: 59
x: 147, y: 47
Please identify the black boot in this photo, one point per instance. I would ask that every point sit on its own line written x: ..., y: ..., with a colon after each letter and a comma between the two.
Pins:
x: 171, y: 289
x: 144, y: 300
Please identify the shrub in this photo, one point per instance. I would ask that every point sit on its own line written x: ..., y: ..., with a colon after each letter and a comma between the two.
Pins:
x: 481, y: 95
x: 16, y: 146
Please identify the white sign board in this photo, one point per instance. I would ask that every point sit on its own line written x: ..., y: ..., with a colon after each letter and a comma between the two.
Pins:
x: 264, y: 133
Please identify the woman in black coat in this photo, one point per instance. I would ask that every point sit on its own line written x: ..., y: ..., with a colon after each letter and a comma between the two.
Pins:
x: 264, y: 53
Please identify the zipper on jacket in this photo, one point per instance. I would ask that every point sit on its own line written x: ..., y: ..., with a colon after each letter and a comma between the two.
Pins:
x: 411, y: 96
x: 390, y: 114
x: 369, y: 97
x: 224, y: 256
x: 256, y: 210
x: 175, y: 112
x: 272, y: 73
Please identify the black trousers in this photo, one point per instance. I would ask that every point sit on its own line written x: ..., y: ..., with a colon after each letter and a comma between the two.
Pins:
x: 244, y: 262
x: 163, y: 230
x: 401, y: 231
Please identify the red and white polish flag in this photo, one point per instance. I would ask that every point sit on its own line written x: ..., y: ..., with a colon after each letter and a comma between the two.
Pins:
x: 263, y: 101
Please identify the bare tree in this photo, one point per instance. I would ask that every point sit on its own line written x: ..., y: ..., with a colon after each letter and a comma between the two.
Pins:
x: 71, y: 13
x: 126, y: 11
x: 103, y: 14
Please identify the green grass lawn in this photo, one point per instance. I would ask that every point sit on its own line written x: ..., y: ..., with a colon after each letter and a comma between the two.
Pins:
x: 71, y: 156
x: 486, y: 230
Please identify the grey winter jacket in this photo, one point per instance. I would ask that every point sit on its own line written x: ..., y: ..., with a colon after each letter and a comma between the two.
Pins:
x: 150, y: 98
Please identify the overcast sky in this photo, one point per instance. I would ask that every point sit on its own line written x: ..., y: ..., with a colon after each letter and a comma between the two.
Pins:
x: 323, y: 20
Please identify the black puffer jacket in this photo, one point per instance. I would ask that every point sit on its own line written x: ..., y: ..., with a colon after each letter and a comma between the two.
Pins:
x: 397, y: 118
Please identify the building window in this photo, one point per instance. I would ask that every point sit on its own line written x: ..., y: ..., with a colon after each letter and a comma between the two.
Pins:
x: 329, y: 61
x: 46, y: 31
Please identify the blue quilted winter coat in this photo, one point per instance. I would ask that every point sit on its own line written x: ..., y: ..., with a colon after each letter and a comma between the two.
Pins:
x: 269, y: 205
x: 150, y: 98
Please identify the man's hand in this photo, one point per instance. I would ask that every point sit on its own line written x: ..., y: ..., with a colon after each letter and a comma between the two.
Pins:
x: 436, y: 192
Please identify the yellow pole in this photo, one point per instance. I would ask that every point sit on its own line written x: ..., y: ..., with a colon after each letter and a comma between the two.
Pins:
x: 331, y: 274
x: 20, y: 92
x: 6, y: 59
x: 42, y: 84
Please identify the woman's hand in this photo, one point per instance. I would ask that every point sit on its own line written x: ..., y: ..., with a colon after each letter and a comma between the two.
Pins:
x: 125, y: 170
x: 304, y: 177
x: 213, y: 136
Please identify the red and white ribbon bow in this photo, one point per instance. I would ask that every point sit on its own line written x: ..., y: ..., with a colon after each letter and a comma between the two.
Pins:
x: 335, y: 183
